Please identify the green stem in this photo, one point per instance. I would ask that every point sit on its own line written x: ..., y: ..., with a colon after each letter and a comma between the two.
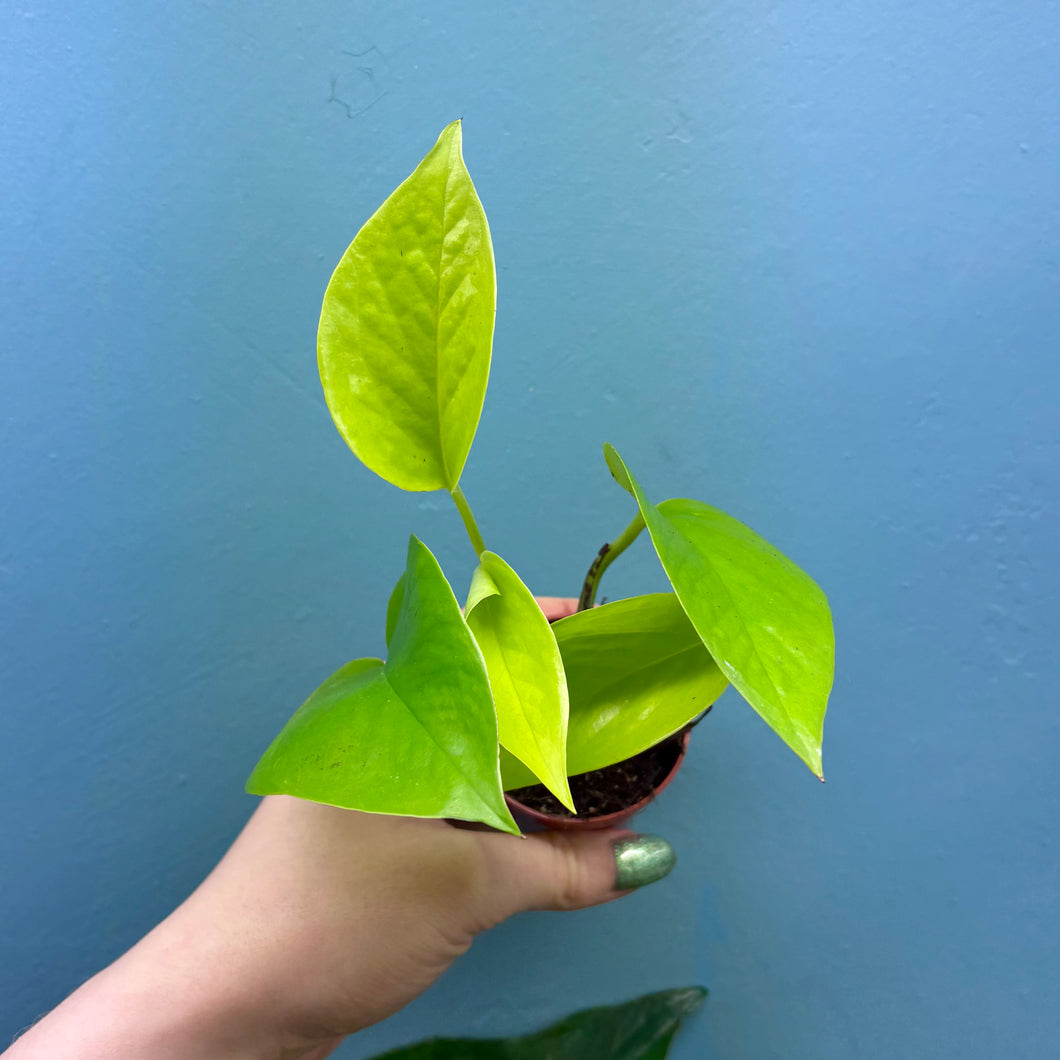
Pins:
x: 604, y: 559
x: 469, y: 520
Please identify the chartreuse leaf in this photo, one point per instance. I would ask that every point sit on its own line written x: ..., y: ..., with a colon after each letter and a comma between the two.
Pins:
x: 415, y: 735
x: 765, y: 621
x: 406, y: 328
x: 641, y: 1029
x: 482, y: 586
x: 637, y: 672
x: 393, y: 608
x: 525, y: 670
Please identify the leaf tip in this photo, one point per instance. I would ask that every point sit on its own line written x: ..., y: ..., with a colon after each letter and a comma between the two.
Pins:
x: 507, y: 823
x: 482, y: 587
x: 616, y: 465
x: 562, y: 792
x: 813, y: 760
x: 453, y: 133
x: 690, y: 998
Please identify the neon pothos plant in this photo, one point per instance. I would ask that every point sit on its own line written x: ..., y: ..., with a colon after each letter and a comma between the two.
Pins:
x: 471, y: 703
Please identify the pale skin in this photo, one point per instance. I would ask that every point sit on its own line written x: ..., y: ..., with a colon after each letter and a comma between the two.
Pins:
x: 317, y: 923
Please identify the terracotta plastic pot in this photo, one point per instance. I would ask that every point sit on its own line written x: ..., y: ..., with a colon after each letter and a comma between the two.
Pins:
x: 531, y: 820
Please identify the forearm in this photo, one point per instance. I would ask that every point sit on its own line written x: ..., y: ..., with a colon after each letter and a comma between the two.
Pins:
x: 319, y: 922
x: 276, y: 956
x: 179, y: 993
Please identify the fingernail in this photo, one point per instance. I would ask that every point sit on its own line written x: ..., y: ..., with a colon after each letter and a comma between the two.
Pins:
x: 642, y: 859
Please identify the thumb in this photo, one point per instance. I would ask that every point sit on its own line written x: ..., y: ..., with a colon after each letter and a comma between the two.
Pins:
x: 574, y: 870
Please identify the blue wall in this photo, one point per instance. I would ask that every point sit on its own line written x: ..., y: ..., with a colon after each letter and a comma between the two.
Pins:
x: 800, y: 260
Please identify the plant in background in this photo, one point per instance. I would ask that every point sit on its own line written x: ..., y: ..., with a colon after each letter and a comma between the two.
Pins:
x: 471, y: 703
x: 641, y: 1029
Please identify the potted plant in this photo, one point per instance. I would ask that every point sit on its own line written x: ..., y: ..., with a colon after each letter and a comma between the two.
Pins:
x: 473, y: 702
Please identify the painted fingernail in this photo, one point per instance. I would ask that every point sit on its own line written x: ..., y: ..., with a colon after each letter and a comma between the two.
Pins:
x: 640, y: 860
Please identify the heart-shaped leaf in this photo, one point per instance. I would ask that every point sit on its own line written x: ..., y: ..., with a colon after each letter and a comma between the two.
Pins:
x: 765, y: 621
x: 416, y: 735
x: 637, y: 672
x: 406, y: 329
x: 641, y: 1029
x: 526, y: 673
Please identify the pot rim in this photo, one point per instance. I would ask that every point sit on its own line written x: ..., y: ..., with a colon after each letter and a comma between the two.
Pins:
x: 607, y: 820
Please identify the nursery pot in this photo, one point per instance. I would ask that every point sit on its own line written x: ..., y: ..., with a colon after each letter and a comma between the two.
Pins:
x: 530, y: 818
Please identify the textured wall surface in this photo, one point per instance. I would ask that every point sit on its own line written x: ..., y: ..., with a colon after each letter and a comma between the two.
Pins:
x: 800, y: 260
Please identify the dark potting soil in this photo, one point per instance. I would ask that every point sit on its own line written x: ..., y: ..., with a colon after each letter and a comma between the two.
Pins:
x: 608, y: 790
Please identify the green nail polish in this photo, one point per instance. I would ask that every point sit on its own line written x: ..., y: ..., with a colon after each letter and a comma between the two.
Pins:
x: 640, y: 860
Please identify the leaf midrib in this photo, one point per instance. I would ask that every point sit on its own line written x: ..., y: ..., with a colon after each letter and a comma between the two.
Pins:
x: 687, y: 545
x: 542, y: 758
x: 454, y: 762
x: 437, y: 321
x: 791, y: 724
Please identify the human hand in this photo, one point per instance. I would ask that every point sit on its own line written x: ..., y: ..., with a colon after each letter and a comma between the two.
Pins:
x: 320, y: 921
